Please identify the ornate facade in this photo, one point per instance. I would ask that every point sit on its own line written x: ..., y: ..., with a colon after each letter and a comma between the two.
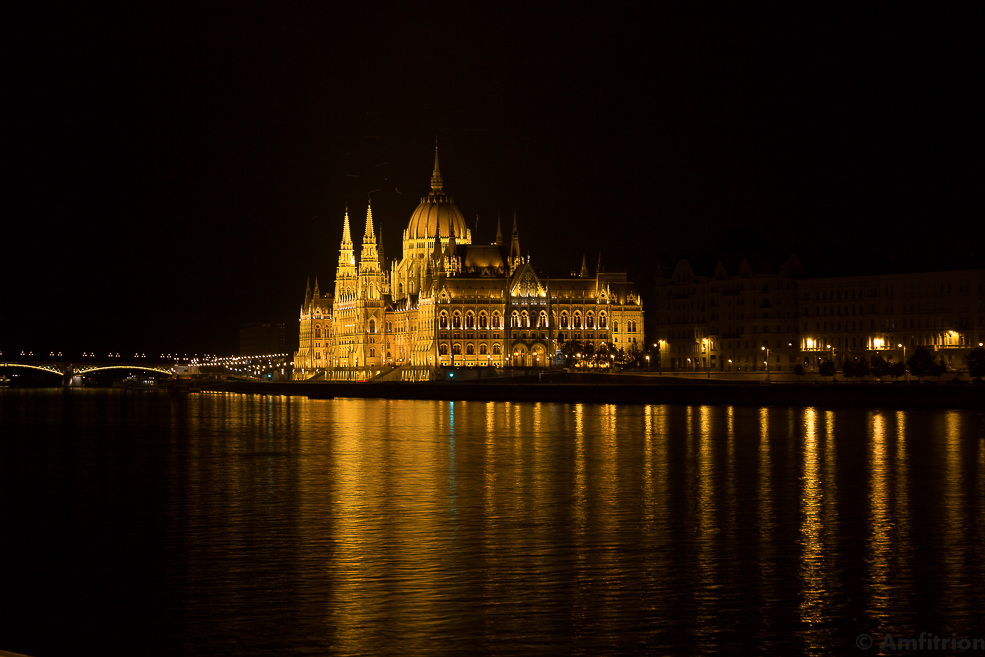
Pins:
x: 449, y: 302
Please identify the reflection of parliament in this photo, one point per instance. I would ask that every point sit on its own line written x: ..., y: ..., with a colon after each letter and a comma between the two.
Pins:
x: 449, y: 302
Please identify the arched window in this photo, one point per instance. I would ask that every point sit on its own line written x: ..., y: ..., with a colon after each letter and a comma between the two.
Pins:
x: 483, y: 320
x: 495, y: 320
x: 470, y: 349
x: 443, y: 350
x: 372, y: 325
x: 515, y: 319
x: 456, y: 349
x: 615, y: 325
x: 524, y: 319
x: 372, y: 352
x: 457, y: 321
x: 564, y: 319
x: 577, y: 320
x: 589, y: 320
x: 602, y: 320
x: 318, y: 332
x: 542, y: 319
x: 497, y: 350
x: 443, y: 320
x: 482, y: 349
x: 469, y: 320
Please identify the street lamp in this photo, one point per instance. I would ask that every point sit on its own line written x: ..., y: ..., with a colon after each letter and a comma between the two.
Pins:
x: 767, y: 350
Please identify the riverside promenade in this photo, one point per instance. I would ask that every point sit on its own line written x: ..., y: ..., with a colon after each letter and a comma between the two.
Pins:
x: 626, y: 388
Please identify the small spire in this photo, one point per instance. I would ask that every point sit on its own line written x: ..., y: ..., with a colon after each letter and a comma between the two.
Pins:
x: 499, y: 232
x: 346, y: 237
x: 437, y: 184
x: 316, y: 287
x: 369, y: 220
x: 584, y: 266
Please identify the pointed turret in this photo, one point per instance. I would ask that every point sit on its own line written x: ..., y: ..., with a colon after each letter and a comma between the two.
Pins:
x: 369, y: 222
x: 346, y: 237
x: 584, y: 267
x: 317, y: 294
x: 345, y: 273
x: 307, y: 293
x: 437, y: 183
x: 499, y: 232
x: 515, y: 258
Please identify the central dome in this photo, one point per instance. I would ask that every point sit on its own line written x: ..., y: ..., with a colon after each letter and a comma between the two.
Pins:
x: 437, y: 214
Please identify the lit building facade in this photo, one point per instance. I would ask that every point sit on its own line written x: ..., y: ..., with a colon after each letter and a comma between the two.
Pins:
x: 733, y: 319
x: 449, y: 302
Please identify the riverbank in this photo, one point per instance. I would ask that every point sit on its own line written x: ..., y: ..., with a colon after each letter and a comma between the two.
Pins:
x: 637, y: 389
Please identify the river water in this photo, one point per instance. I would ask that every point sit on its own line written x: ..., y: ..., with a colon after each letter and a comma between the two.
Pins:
x: 224, y: 524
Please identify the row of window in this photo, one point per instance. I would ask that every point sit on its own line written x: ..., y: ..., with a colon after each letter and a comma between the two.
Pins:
x: 456, y: 349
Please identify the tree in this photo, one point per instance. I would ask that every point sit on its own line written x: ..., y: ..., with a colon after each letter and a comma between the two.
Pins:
x: 862, y: 367
x: 798, y: 369
x: 571, y: 349
x: 975, y: 360
x: 848, y: 368
x: 939, y: 368
x: 921, y: 363
x: 827, y: 368
x: 880, y: 367
x: 588, y: 351
x: 897, y: 369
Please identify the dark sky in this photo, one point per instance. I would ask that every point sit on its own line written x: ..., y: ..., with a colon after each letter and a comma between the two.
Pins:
x: 171, y: 172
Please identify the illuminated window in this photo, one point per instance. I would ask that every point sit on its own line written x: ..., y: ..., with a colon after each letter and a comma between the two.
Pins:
x: 456, y: 349
x: 443, y: 321
x: 495, y: 320
x: 497, y: 350
x: 457, y: 321
x: 589, y: 321
x: 601, y: 320
x: 470, y: 349
x: 470, y: 321
x: 443, y: 350
x: 564, y: 320
x: 483, y: 320
x: 482, y: 349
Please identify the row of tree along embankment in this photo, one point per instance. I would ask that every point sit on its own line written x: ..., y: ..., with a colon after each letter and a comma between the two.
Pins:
x: 629, y: 389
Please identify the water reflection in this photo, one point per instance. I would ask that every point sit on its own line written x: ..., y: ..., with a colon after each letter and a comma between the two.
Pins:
x: 281, y: 525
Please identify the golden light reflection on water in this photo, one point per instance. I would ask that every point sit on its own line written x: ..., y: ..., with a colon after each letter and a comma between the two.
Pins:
x: 811, y: 527
x: 955, y: 519
x: 879, y: 523
x: 767, y: 520
x: 417, y: 515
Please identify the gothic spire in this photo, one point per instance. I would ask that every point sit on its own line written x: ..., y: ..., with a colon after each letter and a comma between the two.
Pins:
x: 346, y: 237
x: 369, y: 221
x: 437, y: 184
x: 499, y: 232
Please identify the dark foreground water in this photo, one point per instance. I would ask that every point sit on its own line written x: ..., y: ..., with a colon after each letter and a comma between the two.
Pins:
x: 147, y: 524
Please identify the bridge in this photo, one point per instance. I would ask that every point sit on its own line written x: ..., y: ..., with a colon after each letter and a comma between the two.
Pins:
x: 68, y: 371
x: 245, y: 366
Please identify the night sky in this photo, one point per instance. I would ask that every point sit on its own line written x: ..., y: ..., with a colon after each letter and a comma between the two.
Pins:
x: 171, y: 172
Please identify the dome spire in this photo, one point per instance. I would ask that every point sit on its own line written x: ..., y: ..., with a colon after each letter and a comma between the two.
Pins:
x: 436, y: 182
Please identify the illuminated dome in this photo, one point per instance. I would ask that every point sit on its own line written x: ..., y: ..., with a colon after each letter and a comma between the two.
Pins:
x: 436, y: 213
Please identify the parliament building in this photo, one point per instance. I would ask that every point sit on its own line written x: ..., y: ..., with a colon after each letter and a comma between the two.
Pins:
x: 450, y: 303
